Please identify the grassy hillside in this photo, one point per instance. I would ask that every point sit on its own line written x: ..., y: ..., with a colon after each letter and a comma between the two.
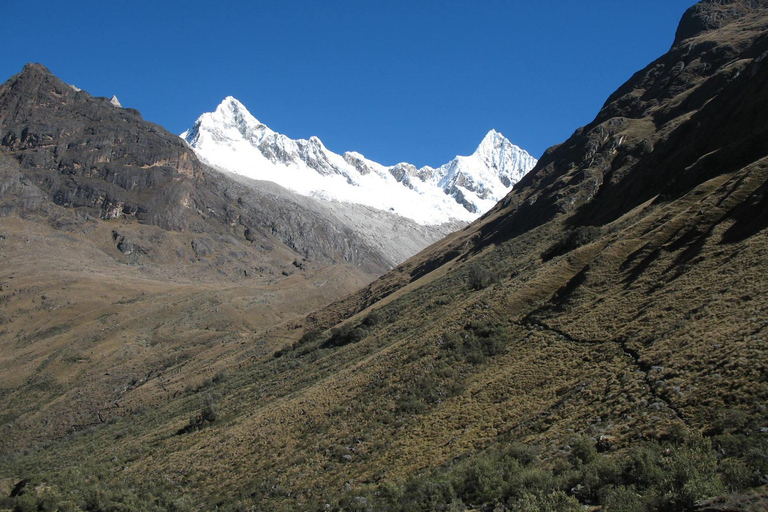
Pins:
x: 597, y: 339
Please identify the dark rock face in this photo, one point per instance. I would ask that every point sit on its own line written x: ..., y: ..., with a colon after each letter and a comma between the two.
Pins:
x: 403, y: 173
x: 713, y: 14
x: 16, y: 192
x: 86, y: 152
x: 124, y: 244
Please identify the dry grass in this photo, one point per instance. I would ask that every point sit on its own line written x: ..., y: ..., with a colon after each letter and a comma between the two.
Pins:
x: 652, y: 324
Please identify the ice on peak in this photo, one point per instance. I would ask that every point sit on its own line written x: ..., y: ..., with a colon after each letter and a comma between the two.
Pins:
x: 114, y: 101
x: 230, y: 121
x: 492, y: 139
x: 233, y: 140
x: 231, y: 108
x: 231, y: 104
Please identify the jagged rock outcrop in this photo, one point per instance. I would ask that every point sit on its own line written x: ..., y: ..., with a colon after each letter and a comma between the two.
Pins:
x: 83, y: 152
x: 712, y: 15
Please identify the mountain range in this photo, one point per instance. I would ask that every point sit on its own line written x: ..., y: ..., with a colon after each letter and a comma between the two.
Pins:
x: 231, y: 139
x: 596, y: 340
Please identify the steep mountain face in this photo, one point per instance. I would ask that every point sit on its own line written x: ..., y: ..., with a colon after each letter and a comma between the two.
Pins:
x: 85, y: 152
x: 231, y: 139
x: 596, y: 340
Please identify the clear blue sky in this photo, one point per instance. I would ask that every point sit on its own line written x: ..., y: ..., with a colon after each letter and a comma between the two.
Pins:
x: 415, y: 81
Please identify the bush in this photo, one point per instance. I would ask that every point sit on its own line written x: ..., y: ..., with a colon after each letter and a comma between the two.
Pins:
x: 642, y: 466
x: 375, y: 317
x: 532, y: 479
x: 556, y: 501
x: 431, y: 388
x: 345, y: 335
x: 479, y: 341
x: 480, y: 277
x: 418, y: 493
x: 731, y: 421
x: 691, y: 474
x: 207, y: 415
x: 482, y: 480
x: 310, y: 336
x: 25, y: 503
x: 669, y: 476
x: 523, y: 453
x: 599, y: 473
x: 411, y: 405
x: 583, y: 450
x: 622, y: 499
x: 220, y: 376
x: 737, y: 476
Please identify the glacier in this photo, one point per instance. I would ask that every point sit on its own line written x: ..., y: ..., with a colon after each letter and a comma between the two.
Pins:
x: 232, y: 140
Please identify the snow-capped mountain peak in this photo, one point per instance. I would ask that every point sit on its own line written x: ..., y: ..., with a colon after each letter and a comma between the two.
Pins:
x: 491, y: 139
x: 233, y: 122
x: 233, y: 140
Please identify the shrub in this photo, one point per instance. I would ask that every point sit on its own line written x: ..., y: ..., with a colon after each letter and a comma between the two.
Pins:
x: 482, y: 480
x: 556, y: 501
x: 600, y: 472
x: 375, y: 317
x: 411, y: 405
x: 25, y: 503
x: 583, y: 450
x: 431, y: 388
x: 479, y: 341
x: 345, y: 335
x: 479, y: 277
x: 750, y: 451
x: 642, y: 466
x: 310, y: 336
x: 220, y: 376
x: 531, y: 479
x: 737, y: 476
x: 523, y: 453
x: 207, y: 415
x: 210, y: 411
x: 419, y: 493
x: 622, y: 499
x: 731, y: 421
x: 691, y: 474
x: 757, y: 457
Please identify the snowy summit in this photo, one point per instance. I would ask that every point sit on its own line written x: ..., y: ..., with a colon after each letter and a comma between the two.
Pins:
x: 232, y: 140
